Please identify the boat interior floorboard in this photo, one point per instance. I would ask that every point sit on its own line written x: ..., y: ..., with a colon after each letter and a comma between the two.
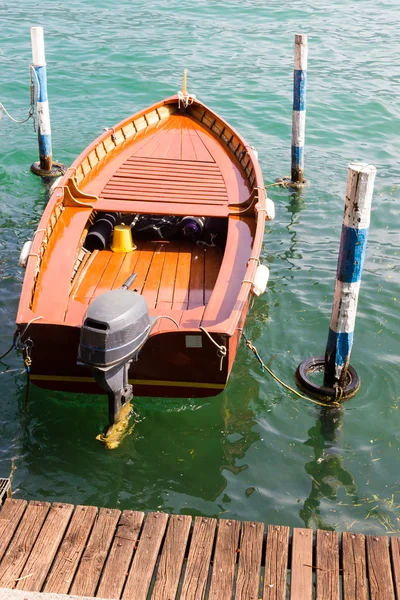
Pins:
x: 171, y: 275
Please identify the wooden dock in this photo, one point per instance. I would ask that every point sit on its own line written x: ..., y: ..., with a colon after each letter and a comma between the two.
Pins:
x: 105, y: 553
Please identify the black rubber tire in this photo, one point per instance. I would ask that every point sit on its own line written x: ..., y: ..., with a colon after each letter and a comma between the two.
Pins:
x: 316, y: 363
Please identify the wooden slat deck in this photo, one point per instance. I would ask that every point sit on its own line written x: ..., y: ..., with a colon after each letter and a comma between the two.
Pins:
x: 106, y: 553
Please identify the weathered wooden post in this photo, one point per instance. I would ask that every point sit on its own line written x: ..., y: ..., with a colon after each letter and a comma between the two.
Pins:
x: 353, y: 242
x: 340, y: 379
x: 299, y: 113
x: 46, y: 167
x: 42, y: 103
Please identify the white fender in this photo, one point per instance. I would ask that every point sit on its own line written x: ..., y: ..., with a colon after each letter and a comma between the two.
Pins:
x: 260, y: 280
x: 23, y: 257
x: 269, y: 209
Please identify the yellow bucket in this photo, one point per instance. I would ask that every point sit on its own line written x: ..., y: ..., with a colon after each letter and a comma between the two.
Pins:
x: 122, y: 239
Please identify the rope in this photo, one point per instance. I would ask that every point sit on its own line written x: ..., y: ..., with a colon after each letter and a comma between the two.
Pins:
x: 26, y: 328
x: 32, y: 108
x: 186, y: 99
x: 11, y: 347
x: 166, y: 317
x: 221, y: 349
x: 285, y: 385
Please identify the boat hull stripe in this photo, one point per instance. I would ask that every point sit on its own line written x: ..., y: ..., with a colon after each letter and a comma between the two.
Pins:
x: 147, y: 382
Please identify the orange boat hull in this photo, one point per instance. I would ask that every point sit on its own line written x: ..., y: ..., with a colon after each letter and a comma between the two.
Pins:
x: 166, y: 160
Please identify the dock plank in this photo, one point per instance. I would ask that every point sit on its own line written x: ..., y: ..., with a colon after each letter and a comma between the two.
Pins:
x: 197, y: 566
x: 276, y: 563
x: 70, y: 552
x: 41, y: 558
x: 395, y: 553
x: 248, y: 577
x: 10, y: 516
x: 173, y: 554
x: 301, y: 572
x: 354, y: 567
x: 95, y: 554
x: 327, y: 563
x: 141, y: 573
x: 379, y: 569
x: 223, y: 572
x: 117, y: 566
x: 22, y: 543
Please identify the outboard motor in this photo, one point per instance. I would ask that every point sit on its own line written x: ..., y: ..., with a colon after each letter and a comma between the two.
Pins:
x: 116, y: 325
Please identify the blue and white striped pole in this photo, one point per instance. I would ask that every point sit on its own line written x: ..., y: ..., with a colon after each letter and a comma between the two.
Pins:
x: 299, y: 108
x: 356, y: 220
x: 42, y: 103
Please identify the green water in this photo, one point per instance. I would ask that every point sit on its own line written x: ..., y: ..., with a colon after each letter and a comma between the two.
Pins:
x: 256, y: 451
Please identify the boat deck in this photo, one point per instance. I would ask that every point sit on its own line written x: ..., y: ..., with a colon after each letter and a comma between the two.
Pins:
x: 173, y: 275
x: 169, y: 166
x: 86, y: 551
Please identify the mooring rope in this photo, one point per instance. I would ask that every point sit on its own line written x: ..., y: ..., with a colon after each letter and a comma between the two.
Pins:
x: 221, y: 349
x: 285, y: 385
x: 31, y: 112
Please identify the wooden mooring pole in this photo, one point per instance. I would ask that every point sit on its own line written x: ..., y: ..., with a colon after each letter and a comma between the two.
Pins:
x: 42, y: 103
x: 299, y: 107
x: 356, y: 220
x: 341, y: 381
x: 46, y: 167
x: 297, y: 179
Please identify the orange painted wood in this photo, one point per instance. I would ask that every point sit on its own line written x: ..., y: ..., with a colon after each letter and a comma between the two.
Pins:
x: 123, y: 547
x: 379, y: 568
x: 276, y: 563
x: 192, y: 319
x: 141, y: 572
x: 196, y: 283
x: 143, y: 263
x: 159, y: 207
x: 301, y: 569
x: 69, y: 554
x: 232, y: 271
x: 95, y: 554
x: 128, y: 267
x: 58, y: 263
x: 197, y: 566
x: 171, y: 561
x: 354, y: 567
x: 10, y: 516
x: 41, y: 558
x: 181, y: 291
x: 327, y: 563
x: 110, y: 273
x: 88, y: 285
x: 212, y: 266
x: 168, y: 276
x: 22, y: 543
x: 225, y: 558
x: 153, y: 278
x: 248, y: 576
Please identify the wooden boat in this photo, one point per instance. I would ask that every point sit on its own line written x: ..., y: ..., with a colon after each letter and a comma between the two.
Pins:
x: 176, y: 158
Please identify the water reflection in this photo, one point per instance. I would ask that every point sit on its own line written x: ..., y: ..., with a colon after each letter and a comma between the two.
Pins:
x: 176, y: 458
x: 295, y: 205
x: 326, y: 469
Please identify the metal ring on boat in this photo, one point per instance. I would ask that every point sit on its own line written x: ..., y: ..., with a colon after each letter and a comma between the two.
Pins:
x: 316, y: 363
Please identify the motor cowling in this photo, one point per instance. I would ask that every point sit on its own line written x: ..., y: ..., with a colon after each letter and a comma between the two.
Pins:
x: 115, y: 327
